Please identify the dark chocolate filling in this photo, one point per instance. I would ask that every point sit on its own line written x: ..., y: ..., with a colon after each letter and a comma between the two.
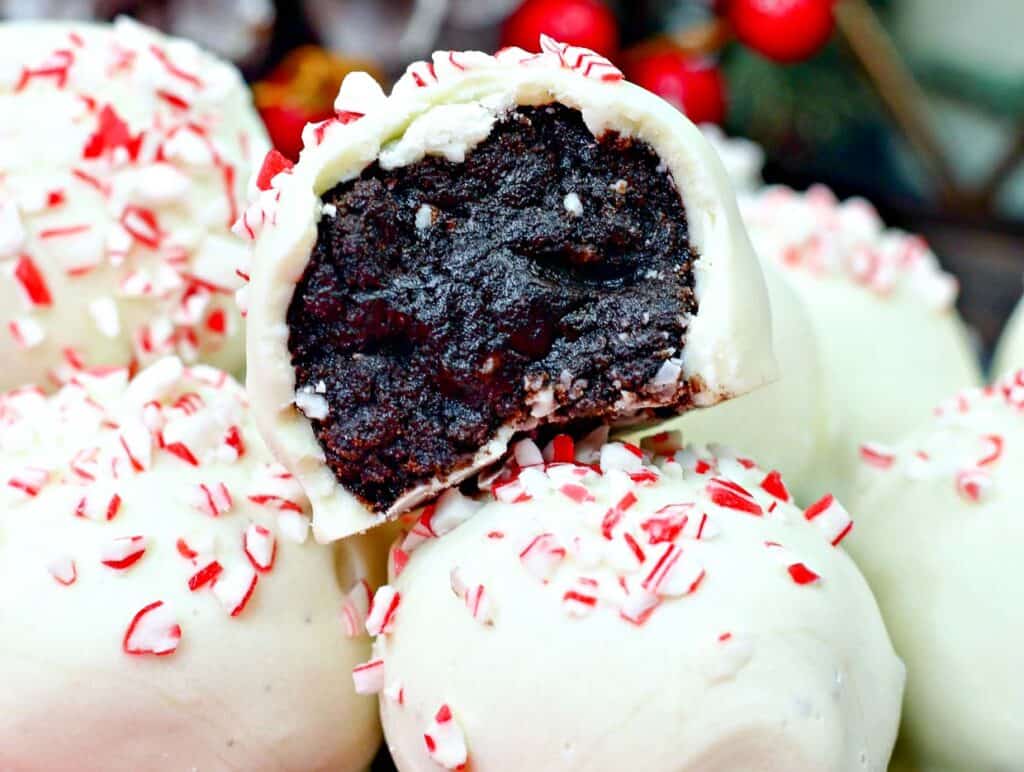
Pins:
x: 440, y: 296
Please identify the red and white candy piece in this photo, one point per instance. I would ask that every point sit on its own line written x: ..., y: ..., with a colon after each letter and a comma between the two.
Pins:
x: 444, y: 740
x: 31, y: 284
x: 639, y: 603
x: 673, y: 572
x: 582, y: 60
x: 877, y: 456
x: 542, y: 556
x: 381, y: 618
x: 395, y: 692
x: 831, y: 518
x: 368, y: 677
x: 260, y: 547
x: 973, y: 484
x: 731, y: 495
x: 123, y: 552
x: 207, y: 575
x: 774, y: 486
x: 212, y: 499
x: 63, y: 570
x: 798, y: 571
x: 474, y: 596
x: 356, y: 608
x: 235, y: 589
x: 153, y: 630
x: 443, y: 516
x: 582, y: 598
x: 614, y: 515
x: 622, y: 456
x: 29, y: 480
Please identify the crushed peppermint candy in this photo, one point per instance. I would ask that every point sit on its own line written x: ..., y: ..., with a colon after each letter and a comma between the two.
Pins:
x: 153, y: 630
x: 966, y: 445
x: 815, y: 233
x: 380, y: 619
x: 146, y: 193
x: 645, y: 533
x: 474, y: 596
x: 103, y: 448
x: 356, y: 608
x: 368, y: 678
x: 444, y: 740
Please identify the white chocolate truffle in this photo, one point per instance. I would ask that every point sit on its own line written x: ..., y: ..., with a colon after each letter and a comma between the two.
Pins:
x: 891, y: 340
x: 124, y: 157
x: 622, y: 612
x: 938, y: 525
x: 160, y: 605
x: 1009, y: 356
x: 787, y: 425
x: 447, y: 107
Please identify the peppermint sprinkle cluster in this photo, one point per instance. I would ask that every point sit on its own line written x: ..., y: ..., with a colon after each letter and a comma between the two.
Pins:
x: 815, y: 233
x: 84, y: 448
x: 589, y: 539
x: 149, y: 197
x: 361, y: 95
x: 968, y: 445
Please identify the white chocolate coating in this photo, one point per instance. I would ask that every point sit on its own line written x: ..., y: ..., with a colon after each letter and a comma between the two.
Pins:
x: 1009, y: 355
x: 739, y: 655
x: 891, y: 341
x: 124, y: 157
x: 787, y: 425
x: 266, y: 689
x: 445, y: 108
x: 938, y: 538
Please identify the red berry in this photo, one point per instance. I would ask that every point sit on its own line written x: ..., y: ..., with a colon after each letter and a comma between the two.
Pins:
x: 783, y: 30
x: 586, y: 23
x: 693, y: 85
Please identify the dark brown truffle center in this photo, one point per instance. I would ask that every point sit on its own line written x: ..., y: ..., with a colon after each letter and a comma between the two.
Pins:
x: 445, y: 300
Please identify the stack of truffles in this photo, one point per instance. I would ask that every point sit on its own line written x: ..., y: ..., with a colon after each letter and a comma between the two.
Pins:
x: 487, y: 319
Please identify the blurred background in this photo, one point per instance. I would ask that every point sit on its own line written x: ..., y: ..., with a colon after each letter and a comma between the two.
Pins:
x: 917, y: 105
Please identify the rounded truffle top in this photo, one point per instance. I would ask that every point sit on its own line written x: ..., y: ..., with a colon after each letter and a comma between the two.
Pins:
x: 813, y: 235
x: 123, y: 160
x: 967, y: 450
x: 87, y: 461
x: 155, y: 572
x: 690, y: 567
x: 938, y: 538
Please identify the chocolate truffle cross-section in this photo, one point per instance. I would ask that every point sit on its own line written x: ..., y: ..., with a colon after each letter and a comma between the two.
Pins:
x: 544, y: 279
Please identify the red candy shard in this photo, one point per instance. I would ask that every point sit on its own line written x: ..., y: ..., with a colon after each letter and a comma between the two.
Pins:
x: 30, y: 280
x: 773, y: 485
x: 876, y: 456
x: 152, y: 631
x: 273, y: 164
x: 801, y: 574
x: 124, y: 552
x: 206, y: 575
x: 111, y: 133
x: 726, y: 493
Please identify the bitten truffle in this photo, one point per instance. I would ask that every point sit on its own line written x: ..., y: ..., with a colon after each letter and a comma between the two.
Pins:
x: 502, y: 243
